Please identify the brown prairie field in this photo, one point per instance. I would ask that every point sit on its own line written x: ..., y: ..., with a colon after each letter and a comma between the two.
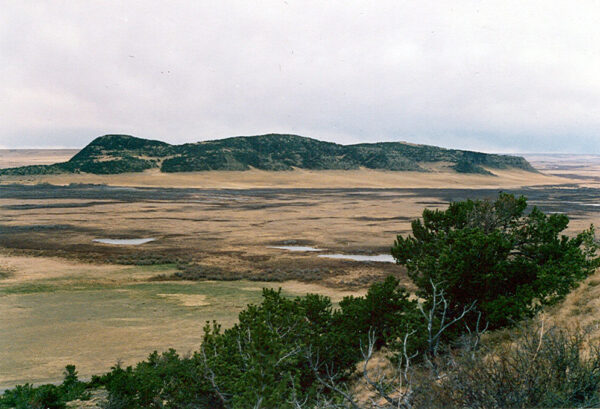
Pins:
x: 67, y: 299
x: 12, y: 158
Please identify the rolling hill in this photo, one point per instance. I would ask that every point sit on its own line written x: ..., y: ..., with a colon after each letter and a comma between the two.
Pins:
x: 113, y: 154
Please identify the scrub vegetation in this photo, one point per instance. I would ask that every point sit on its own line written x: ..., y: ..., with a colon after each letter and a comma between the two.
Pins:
x: 469, y: 338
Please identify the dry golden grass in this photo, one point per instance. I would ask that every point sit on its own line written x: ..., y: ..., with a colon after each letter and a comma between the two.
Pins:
x: 581, y: 308
x: 227, y: 232
x: 29, y: 269
x: 59, y: 310
x: 302, y: 178
x: 187, y: 300
x: 378, y: 367
x: 97, y: 400
x: 583, y: 169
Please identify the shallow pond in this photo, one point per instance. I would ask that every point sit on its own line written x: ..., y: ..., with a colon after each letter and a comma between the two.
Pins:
x: 126, y: 242
x: 295, y: 248
x: 382, y: 258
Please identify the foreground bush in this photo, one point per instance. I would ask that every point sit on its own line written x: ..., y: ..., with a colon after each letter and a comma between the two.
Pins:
x: 274, y: 356
x: 538, y: 368
x: 300, y: 353
x: 46, y: 396
x: 165, y: 380
x: 492, y: 253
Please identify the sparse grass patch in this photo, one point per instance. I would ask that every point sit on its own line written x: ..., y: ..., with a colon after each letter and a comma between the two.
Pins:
x: 583, y: 310
x: 145, y: 259
x: 594, y: 283
x: 4, y: 273
x: 109, y: 321
x: 52, y: 285
x: 200, y: 272
x: 29, y: 288
x: 581, y: 301
x: 157, y: 267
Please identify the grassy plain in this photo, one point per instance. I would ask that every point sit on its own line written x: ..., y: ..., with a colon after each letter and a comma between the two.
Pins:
x: 301, y: 178
x: 584, y: 169
x: 12, y: 158
x: 65, y: 299
x: 57, y: 311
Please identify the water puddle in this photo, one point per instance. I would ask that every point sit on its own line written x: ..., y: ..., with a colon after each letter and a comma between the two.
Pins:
x: 126, y: 242
x: 381, y: 258
x: 582, y: 203
x: 295, y: 248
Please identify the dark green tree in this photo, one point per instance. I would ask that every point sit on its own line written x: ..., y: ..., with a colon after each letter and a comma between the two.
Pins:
x: 386, y: 310
x: 510, y: 262
x: 263, y: 358
x: 46, y: 396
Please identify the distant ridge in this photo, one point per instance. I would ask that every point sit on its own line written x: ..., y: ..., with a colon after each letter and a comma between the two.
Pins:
x: 113, y: 154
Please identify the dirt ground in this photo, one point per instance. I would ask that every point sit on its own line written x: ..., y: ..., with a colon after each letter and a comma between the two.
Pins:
x: 67, y: 299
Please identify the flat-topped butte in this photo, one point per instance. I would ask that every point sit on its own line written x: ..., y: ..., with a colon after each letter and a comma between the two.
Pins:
x: 113, y: 154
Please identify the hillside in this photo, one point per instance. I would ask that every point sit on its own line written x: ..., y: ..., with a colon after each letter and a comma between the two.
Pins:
x: 113, y: 154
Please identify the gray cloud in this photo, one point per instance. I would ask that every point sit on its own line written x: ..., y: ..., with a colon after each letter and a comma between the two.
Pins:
x: 493, y: 76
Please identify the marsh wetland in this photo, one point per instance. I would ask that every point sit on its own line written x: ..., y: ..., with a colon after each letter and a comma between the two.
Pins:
x: 81, y: 282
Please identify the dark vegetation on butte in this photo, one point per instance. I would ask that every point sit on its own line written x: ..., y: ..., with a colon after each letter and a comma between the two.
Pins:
x: 114, y: 154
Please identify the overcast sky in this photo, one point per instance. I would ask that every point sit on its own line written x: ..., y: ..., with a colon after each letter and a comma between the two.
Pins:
x: 503, y: 76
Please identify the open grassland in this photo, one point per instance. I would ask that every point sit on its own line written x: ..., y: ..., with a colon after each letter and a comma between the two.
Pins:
x: 12, y: 158
x: 580, y: 310
x: 54, y: 312
x: 585, y: 169
x: 301, y: 178
x: 66, y: 299
x: 97, y: 303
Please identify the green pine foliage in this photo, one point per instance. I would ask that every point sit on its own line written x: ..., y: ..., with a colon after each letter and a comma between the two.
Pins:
x: 274, y: 354
x: 464, y: 166
x: 46, y: 396
x: 510, y: 263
